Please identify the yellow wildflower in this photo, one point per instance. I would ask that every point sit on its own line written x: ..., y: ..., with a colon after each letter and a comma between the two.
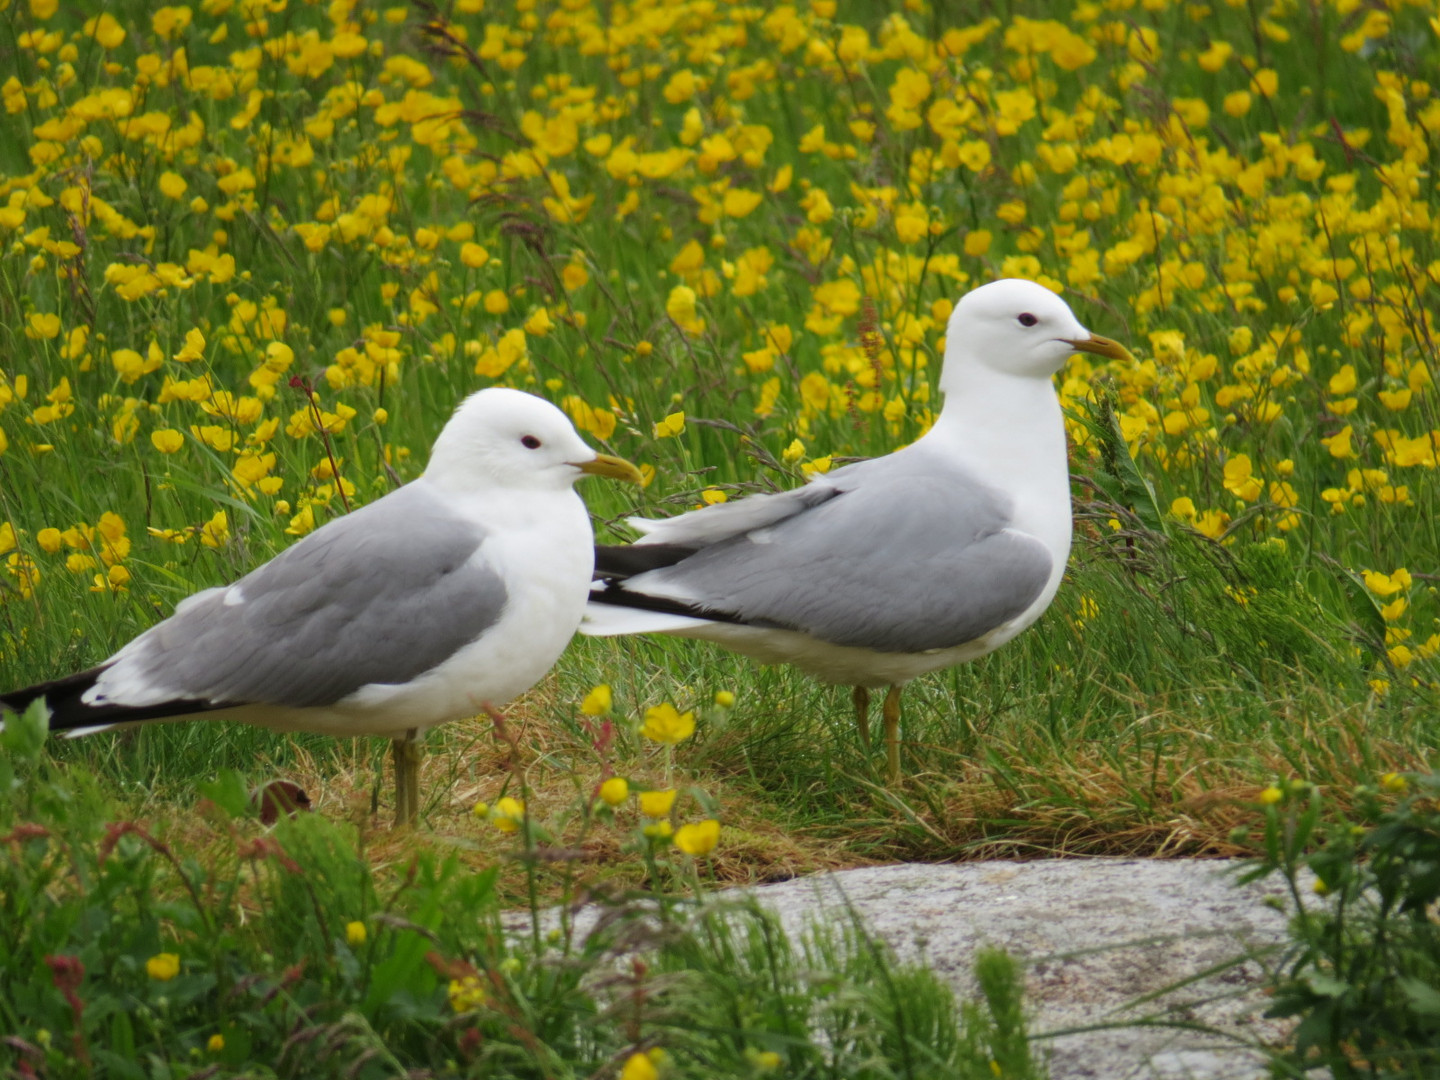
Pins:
x: 467, y: 994
x: 1393, y: 782
x: 665, y: 724
x: 43, y: 325
x: 1239, y: 480
x: 194, y: 347
x: 216, y: 532
x: 1387, y: 584
x: 681, y: 307
x: 508, y: 814
x: 163, y: 966
x: 167, y: 440
x: 657, y: 804
x: 172, y: 185
x: 105, y: 30
x: 698, y: 839
x: 598, y: 701
x: 673, y: 424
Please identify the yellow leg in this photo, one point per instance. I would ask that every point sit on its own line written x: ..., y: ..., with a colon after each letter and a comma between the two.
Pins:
x: 861, y: 697
x: 407, y: 754
x: 891, y: 717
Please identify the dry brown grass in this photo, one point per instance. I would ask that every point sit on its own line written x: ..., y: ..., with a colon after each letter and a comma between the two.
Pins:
x: 1020, y: 799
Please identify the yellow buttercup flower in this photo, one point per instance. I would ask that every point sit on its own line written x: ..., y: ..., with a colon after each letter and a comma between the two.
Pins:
x: 698, y: 839
x: 657, y: 804
x: 1239, y: 480
x: 172, y: 185
x: 673, y: 424
x: 43, y: 325
x: 598, y: 701
x: 508, y: 814
x: 467, y: 994
x: 614, y: 791
x: 216, y: 532
x: 666, y: 724
x: 681, y: 306
x: 167, y: 440
x: 105, y: 30
x: 1387, y: 584
x: 163, y: 966
x: 194, y: 347
x: 977, y: 242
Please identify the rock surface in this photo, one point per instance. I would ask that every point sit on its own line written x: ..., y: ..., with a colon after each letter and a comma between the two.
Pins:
x: 1102, y: 940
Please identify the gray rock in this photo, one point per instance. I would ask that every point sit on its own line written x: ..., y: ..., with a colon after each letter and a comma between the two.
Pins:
x: 1105, y: 942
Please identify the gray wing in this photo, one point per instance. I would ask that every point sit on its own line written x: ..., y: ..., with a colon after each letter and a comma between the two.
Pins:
x: 904, y: 558
x: 712, y: 524
x: 378, y: 596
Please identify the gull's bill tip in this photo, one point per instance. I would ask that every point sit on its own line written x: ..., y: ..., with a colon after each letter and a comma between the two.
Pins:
x: 1100, y: 346
x: 613, y: 467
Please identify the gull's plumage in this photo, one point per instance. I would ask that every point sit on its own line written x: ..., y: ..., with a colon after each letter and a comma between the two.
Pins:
x: 456, y: 591
x: 886, y: 569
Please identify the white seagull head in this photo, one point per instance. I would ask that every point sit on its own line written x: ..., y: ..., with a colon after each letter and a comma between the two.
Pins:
x: 1018, y: 328
x: 507, y: 438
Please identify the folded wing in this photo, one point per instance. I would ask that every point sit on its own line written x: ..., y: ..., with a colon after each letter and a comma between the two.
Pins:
x: 898, y: 557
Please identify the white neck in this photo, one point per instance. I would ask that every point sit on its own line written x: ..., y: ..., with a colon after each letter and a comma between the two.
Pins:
x: 452, y: 477
x: 1010, y: 431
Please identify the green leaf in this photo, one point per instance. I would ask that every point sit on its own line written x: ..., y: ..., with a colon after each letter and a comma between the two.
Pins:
x: 1119, y: 478
x: 1369, y: 624
x: 1325, y: 986
x: 229, y: 791
x: 1424, y: 998
x: 24, y: 734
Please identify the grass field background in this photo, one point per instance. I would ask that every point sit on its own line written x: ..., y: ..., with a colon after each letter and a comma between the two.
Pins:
x: 255, y: 252
x: 251, y: 255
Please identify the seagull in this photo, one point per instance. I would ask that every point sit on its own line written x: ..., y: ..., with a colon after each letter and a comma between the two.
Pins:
x: 455, y: 592
x: 883, y: 570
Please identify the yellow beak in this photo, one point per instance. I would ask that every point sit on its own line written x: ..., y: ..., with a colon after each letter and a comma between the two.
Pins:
x: 1100, y: 346
x: 613, y: 467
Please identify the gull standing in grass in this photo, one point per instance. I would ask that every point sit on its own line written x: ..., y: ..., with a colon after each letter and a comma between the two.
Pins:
x: 889, y: 568
x: 456, y: 591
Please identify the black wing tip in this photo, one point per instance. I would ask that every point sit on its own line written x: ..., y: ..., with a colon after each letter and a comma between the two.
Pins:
x: 63, y: 697
x: 619, y: 561
x: 616, y: 595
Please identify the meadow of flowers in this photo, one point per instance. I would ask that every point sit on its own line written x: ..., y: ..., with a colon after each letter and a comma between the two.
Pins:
x: 255, y: 250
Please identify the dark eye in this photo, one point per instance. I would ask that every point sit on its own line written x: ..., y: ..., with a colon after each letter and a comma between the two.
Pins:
x: 1028, y: 320
x: 530, y: 442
